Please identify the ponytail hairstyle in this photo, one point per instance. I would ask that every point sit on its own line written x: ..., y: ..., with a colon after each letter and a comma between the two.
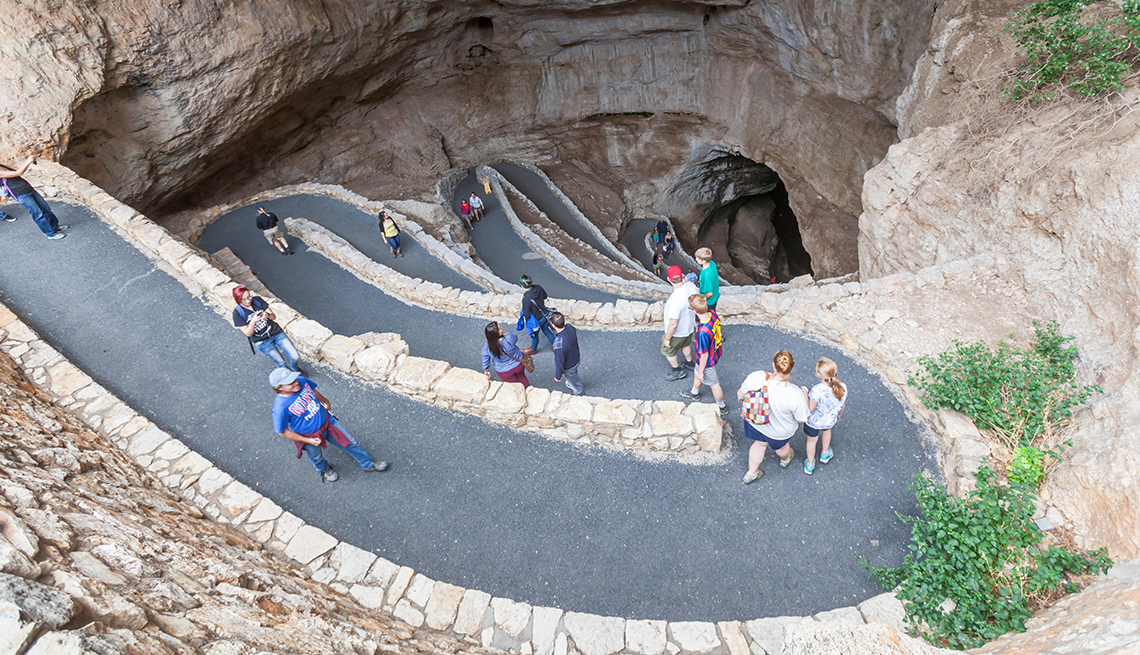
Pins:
x: 783, y: 362
x: 828, y: 370
x: 525, y: 282
x: 491, y: 332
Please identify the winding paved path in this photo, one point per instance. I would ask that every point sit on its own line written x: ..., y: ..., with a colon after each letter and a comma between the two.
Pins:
x: 509, y: 256
x: 472, y: 503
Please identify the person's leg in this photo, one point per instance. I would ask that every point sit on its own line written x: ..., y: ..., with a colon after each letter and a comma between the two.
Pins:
x: 785, y: 454
x: 544, y: 324
x: 316, y: 457
x: 670, y: 352
x: 397, y: 239
x: 391, y: 244
x: 45, y: 220
x: 354, y: 449
x: 515, y: 375
x: 534, y: 341
x: 809, y: 452
x: 268, y: 347
x: 825, y: 451
x: 688, y: 352
x: 718, y: 394
x: 756, y: 455
x: 285, y: 345
x: 571, y: 379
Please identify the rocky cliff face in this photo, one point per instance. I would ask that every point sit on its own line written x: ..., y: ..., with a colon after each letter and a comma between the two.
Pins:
x: 1049, y: 192
x: 163, y: 102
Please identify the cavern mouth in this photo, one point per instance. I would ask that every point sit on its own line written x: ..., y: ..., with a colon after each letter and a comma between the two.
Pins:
x: 746, y: 220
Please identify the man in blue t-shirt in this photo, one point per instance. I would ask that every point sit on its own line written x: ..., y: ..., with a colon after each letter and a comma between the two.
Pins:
x: 708, y: 352
x: 301, y: 414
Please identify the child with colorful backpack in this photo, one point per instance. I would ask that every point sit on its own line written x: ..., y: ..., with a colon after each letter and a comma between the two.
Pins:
x: 826, y: 401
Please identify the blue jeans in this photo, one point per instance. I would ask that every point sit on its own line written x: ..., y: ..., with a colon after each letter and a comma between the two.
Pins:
x: 355, y: 450
x: 570, y: 379
x: 279, y: 349
x: 393, y: 242
x: 543, y: 325
x: 42, y: 214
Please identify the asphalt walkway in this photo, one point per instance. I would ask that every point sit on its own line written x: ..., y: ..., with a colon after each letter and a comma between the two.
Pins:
x: 505, y: 252
x: 533, y: 186
x: 477, y: 504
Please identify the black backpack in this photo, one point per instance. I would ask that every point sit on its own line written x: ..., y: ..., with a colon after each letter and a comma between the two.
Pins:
x: 266, y: 221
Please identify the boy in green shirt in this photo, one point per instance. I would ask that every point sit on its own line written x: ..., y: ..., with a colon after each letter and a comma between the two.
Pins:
x: 709, y: 279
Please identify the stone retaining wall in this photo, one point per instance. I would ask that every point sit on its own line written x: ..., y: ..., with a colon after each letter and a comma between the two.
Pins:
x: 378, y: 583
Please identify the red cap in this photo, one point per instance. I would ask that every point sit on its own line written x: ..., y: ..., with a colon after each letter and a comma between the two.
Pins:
x: 674, y: 273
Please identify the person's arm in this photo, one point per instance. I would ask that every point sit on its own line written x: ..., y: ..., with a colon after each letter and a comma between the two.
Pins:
x: 487, y: 361
x: 670, y: 330
x: 250, y: 323
x: 289, y: 434
x: 322, y: 400
x: 20, y: 170
x: 559, y: 363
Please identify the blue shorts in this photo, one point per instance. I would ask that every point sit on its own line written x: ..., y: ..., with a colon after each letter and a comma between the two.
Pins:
x: 755, y: 435
x: 812, y: 432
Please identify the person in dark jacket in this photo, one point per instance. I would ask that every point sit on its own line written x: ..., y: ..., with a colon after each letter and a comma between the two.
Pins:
x: 534, y: 304
x: 17, y: 188
x: 566, y: 355
x: 273, y: 230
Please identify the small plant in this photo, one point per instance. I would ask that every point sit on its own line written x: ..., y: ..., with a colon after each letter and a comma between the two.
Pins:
x: 976, y: 567
x: 1088, y: 57
x: 1027, y: 467
x: 1017, y: 394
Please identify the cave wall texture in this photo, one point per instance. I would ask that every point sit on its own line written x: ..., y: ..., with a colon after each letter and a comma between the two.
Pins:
x: 165, y: 103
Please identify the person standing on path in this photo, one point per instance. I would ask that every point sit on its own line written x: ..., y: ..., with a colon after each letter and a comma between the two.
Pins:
x: 826, y: 402
x: 476, y: 207
x: 708, y: 353
x: 534, y: 304
x: 465, y: 211
x: 502, y: 352
x: 787, y: 408
x: 391, y: 233
x: 257, y: 322
x: 680, y: 321
x: 658, y: 264
x: 273, y: 230
x: 302, y: 414
x: 20, y: 190
x: 709, y: 277
x: 566, y: 355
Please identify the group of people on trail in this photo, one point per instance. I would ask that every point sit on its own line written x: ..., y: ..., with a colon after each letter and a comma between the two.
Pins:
x: 15, y: 187
x: 502, y: 354
x: 664, y: 244
x: 278, y: 237
x: 471, y: 209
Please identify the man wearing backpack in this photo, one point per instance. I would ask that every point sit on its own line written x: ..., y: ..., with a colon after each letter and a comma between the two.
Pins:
x: 708, y: 353
x: 273, y: 230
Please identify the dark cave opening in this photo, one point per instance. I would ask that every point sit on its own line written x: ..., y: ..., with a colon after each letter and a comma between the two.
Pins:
x: 745, y: 218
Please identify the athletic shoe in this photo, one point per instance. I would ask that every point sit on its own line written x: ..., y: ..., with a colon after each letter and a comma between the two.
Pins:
x: 329, y: 475
x: 723, y: 410
x: 689, y: 365
x: 57, y: 235
x: 825, y: 457
x: 377, y: 467
x: 689, y: 395
x: 809, y: 468
x: 62, y: 228
x: 10, y: 219
x: 749, y: 478
x: 784, y: 462
x: 679, y: 374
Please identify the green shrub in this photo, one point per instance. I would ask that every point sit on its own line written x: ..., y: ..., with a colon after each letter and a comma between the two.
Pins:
x: 981, y: 552
x: 1091, y: 59
x: 1018, y: 394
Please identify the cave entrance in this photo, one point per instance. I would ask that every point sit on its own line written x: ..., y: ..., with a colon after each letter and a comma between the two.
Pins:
x: 744, y: 217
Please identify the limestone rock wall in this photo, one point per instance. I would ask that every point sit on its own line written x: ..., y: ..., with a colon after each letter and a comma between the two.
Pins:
x: 165, y: 102
x: 1050, y: 192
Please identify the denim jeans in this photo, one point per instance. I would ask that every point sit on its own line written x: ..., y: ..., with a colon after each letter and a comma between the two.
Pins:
x: 393, y: 242
x: 355, y: 450
x: 570, y: 379
x: 279, y: 349
x: 42, y: 214
x: 543, y: 325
